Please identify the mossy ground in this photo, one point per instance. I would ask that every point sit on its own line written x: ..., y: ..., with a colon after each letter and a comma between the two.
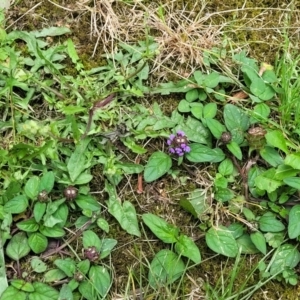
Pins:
x: 256, y: 26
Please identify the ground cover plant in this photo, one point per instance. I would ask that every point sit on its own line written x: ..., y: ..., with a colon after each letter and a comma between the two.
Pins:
x: 73, y: 139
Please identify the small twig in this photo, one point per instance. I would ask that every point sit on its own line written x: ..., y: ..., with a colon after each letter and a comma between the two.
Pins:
x: 139, y: 189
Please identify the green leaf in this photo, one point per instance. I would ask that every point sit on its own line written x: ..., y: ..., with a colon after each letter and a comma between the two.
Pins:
x: 259, y: 241
x: 43, y: 292
x: 165, y: 268
x: 163, y: 230
x: 199, y: 77
x: 84, y: 266
x: 13, y: 293
x: 246, y: 245
x: 286, y: 256
x: 201, y: 153
x: 39, y: 210
x: 194, y: 131
x: 18, y: 246
x: 265, y: 181
x: 260, y: 111
x: 294, y: 222
x: 235, y: 118
x: 54, y: 275
x: 197, y: 203
x: 87, y: 202
x: 275, y: 138
x: 293, y: 160
x: 31, y: 188
x: 66, y: 265
x: 22, y: 285
x: 262, y: 90
x: 37, y: 242
x: 158, y: 164
x: 293, y: 182
x: 185, y: 246
x: 211, y: 80
x: 38, y: 265
x: 106, y: 247
x: 184, y: 106
x: 224, y: 194
x: 192, y: 95
x: 197, y: 110
x: 54, y: 232
x: 210, y: 110
x: 226, y: 167
x: 90, y: 239
x: 235, y: 149
x: 271, y: 156
x: 47, y: 182
x: 215, y: 127
x: 100, y: 280
x: 269, y: 223
x: 51, y: 31
x: 29, y: 225
x: 103, y: 224
x: 77, y: 162
x: 125, y: 214
x: 16, y: 205
x: 65, y: 293
x: 220, y: 240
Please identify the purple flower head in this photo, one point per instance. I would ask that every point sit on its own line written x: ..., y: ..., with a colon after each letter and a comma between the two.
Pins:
x: 178, y: 143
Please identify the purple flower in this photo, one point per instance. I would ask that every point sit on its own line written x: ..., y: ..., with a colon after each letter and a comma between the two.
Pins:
x: 178, y: 143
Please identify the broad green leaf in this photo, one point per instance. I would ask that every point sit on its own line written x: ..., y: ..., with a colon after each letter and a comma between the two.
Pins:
x: 185, y: 246
x: 260, y: 111
x: 72, y: 51
x: 199, y: 77
x: 103, y: 224
x: 259, y: 241
x: 83, y: 178
x: 269, y: 223
x: 55, y: 232
x: 271, y: 156
x: 100, y: 279
x: 87, y: 202
x: 106, y: 247
x: 235, y: 118
x: 284, y: 171
x: 201, y: 153
x: 220, y: 240
x: 16, y: 205
x: 192, y: 95
x: 130, y: 168
x: 293, y: 182
x: 262, y: 90
x: 165, y: 268
x: 210, y: 110
x: 235, y: 149
x: 3, y: 275
x: 184, y: 106
x: 211, y: 80
x: 39, y: 210
x: 236, y: 229
x: 31, y: 188
x: 38, y: 265
x: 43, y: 291
x: 158, y: 164
x: 224, y: 194
x: 194, y: 130
x: 197, y: 110
x: 90, y: 239
x: 246, y: 245
x: 286, y: 255
x: 215, y: 127
x: 13, y: 293
x: 29, y: 225
x: 67, y: 265
x: 22, y: 285
x: 54, y: 275
x: 275, y: 138
x: 84, y: 266
x: 226, y: 167
x: 125, y: 214
x: 265, y: 181
x: 166, y: 232
x: 293, y: 160
x: 294, y: 222
x: 65, y: 293
x: 77, y: 162
x: 18, y: 246
x: 37, y: 242
x: 197, y: 203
